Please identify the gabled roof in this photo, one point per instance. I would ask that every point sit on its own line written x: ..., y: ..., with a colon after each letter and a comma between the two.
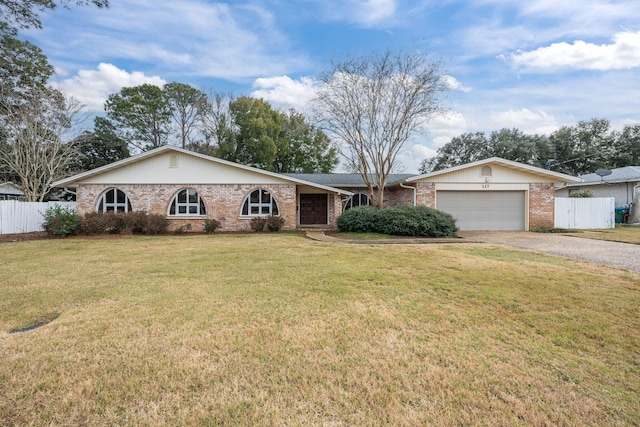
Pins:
x: 345, y: 180
x: 625, y: 174
x: 556, y: 176
x: 75, y: 179
x: 10, y: 188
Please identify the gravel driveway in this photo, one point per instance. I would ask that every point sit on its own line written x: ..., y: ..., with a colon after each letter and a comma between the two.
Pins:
x: 614, y: 254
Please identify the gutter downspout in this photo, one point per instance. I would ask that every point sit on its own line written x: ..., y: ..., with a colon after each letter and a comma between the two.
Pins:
x: 414, y: 192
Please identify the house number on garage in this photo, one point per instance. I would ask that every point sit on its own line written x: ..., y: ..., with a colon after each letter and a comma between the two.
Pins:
x: 485, y: 185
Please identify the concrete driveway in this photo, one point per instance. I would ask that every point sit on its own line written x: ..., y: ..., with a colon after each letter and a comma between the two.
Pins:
x: 620, y: 255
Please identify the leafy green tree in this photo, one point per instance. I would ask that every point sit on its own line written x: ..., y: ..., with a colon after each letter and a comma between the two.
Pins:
x: 462, y: 149
x: 187, y: 105
x: 510, y: 144
x: 98, y: 148
x: 513, y: 144
x: 142, y: 116
x: 583, y: 148
x: 258, y: 135
x: 255, y: 139
x: 22, y: 64
x: 303, y: 148
x: 627, y: 147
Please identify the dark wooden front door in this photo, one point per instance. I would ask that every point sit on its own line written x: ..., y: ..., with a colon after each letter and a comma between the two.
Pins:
x: 313, y: 209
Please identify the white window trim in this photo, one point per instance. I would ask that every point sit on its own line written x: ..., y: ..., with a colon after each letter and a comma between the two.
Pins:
x: 260, y: 204
x: 102, y: 200
x: 187, y: 205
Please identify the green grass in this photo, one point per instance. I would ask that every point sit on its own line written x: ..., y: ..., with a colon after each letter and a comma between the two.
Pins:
x: 274, y: 329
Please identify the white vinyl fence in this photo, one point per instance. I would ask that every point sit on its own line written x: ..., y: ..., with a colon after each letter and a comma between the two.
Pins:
x: 585, y: 213
x: 25, y: 217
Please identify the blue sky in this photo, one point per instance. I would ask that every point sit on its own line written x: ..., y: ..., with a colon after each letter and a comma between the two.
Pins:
x: 535, y: 65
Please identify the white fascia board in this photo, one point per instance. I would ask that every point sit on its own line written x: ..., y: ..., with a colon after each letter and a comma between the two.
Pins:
x: 508, y: 163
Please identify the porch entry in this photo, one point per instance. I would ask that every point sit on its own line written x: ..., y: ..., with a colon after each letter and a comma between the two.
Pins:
x: 313, y: 209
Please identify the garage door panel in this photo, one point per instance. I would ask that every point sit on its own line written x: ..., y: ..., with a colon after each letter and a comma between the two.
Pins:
x: 484, y: 210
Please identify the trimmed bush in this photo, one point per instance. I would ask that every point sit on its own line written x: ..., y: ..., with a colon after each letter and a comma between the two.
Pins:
x: 94, y: 223
x: 123, y: 223
x: 275, y: 223
x: 258, y: 223
x: 155, y: 224
x: 362, y: 219
x: 211, y: 225
x: 59, y: 221
x: 418, y: 221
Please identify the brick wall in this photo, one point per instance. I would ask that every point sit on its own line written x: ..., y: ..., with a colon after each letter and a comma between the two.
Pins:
x: 541, y: 205
x: 426, y: 194
x: 223, y: 202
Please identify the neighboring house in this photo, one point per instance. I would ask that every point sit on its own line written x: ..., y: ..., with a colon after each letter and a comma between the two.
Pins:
x: 492, y: 194
x: 10, y: 191
x: 620, y: 185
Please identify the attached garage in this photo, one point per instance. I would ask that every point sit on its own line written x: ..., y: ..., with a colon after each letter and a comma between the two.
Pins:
x: 491, y: 194
x: 485, y: 210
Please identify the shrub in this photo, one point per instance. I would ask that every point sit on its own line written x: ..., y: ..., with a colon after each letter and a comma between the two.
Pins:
x: 258, y: 223
x: 156, y: 224
x: 275, y: 223
x: 211, y: 225
x: 59, y: 221
x: 418, y: 221
x: 580, y: 194
x: 94, y: 223
x: 123, y: 223
x: 362, y: 219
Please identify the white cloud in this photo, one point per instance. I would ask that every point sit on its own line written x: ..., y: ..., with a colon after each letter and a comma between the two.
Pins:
x: 623, y: 53
x: 284, y: 92
x: 92, y: 87
x: 526, y: 120
x: 453, y: 84
x: 445, y: 126
x: 189, y: 38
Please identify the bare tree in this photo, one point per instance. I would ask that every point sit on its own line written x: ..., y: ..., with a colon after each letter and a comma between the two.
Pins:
x: 34, y: 130
x: 217, y: 121
x: 187, y: 108
x: 373, y: 104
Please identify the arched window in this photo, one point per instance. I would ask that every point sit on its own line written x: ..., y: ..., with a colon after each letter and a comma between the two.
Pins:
x: 114, y: 200
x: 359, y: 199
x: 260, y: 202
x: 486, y: 171
x: 187, y: 202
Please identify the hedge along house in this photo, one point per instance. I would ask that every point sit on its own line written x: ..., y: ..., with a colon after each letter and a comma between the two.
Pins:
x: 491, y: 194
x: 189, y: 187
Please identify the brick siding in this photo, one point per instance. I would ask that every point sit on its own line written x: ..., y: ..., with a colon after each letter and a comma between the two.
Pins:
x: 222, y: 202
x: 541, y: 205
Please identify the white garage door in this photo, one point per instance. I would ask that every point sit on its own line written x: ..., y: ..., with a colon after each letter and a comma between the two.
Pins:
x: 484, y: 210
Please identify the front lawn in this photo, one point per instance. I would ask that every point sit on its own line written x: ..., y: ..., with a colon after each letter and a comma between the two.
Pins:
x: 622, y: 233
x: 276, y: 329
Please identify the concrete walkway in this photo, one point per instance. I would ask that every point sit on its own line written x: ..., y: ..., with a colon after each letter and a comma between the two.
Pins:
x: 620, y: 255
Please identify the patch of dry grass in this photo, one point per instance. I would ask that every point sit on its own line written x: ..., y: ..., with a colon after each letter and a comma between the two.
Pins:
x: 624, y: 234
x: 281, y: 330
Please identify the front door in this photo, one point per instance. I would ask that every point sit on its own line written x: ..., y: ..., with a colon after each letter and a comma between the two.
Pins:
x: 313, y: 209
